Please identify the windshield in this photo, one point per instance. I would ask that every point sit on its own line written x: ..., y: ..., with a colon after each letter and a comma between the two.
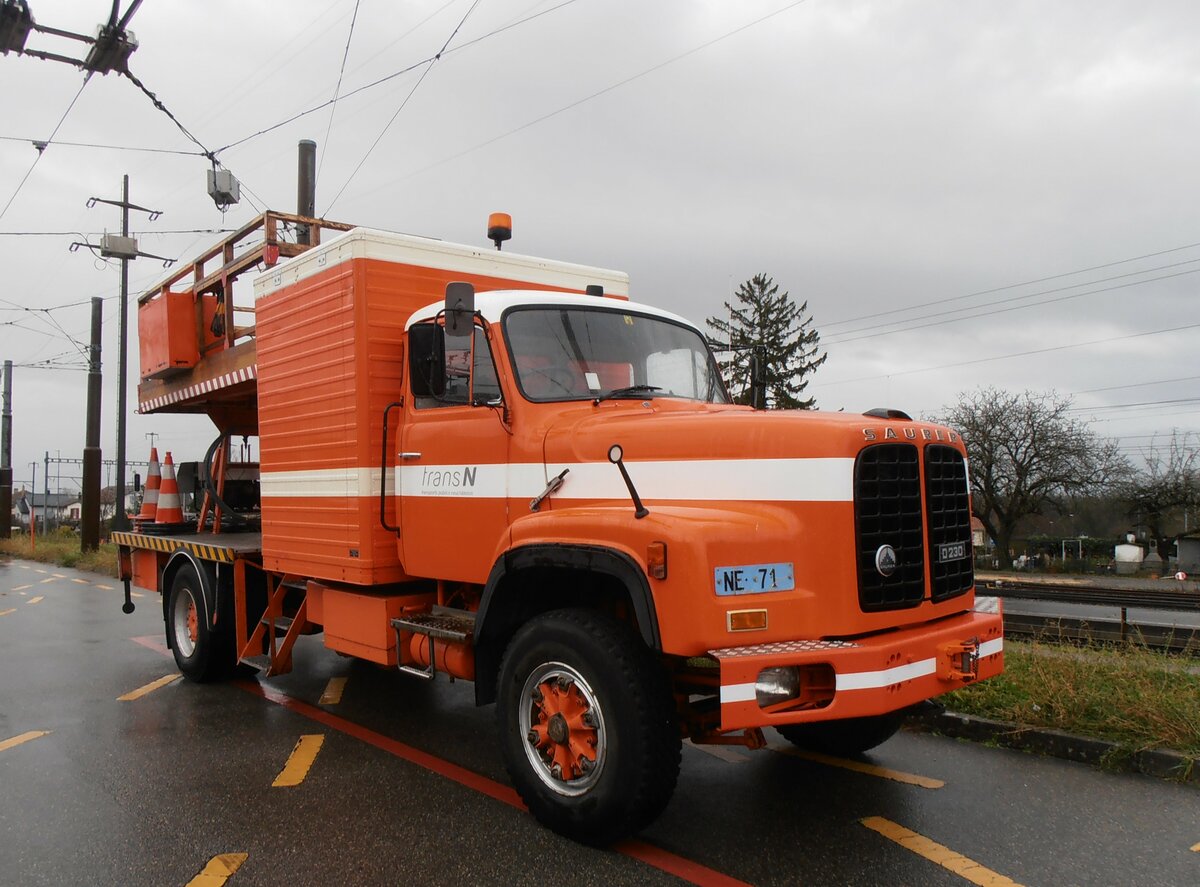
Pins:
x: 582, y: 353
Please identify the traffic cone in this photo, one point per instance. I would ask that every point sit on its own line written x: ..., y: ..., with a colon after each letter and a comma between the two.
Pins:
x: 150, y: 494
x: 169, y: 510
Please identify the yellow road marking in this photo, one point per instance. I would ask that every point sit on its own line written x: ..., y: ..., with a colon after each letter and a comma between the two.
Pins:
x: 724, y: 752
x: 81, y: 581
x: 22, y: 587
x: 333, y: 692
x: 23, y: 567
x: 148, y: 688
x: 861, y: 767
x: 1196, y: 849
x: 6, y: 612
x: 218, y: 870
x: 36, y: 600
x: 51, y: 579
x: 58, y: 575
x: 935, y: 852
x: 105, y: 587
x: 299, y: 761
x: 136, y: 594
x: 38, y: 570
x: 25, y: 737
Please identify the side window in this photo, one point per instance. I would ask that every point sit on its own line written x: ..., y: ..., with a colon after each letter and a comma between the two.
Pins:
x: 485, y: 384
x: 470, y: 374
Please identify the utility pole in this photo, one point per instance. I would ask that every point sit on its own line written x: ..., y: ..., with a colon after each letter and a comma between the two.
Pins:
x: 120, y: 521
x: 33, y: 508
x: 123, y: 248
x: 46, y: 495
x: 6, y: 477
x: 89, y: 527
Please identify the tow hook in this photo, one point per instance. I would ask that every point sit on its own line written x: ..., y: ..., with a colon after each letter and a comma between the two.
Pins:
x: 959, y: 661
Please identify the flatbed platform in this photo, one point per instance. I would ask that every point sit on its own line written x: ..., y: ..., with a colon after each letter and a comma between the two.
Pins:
x: 223, y: 547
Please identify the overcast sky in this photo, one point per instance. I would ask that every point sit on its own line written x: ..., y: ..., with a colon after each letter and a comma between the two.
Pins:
x: 950, y: 167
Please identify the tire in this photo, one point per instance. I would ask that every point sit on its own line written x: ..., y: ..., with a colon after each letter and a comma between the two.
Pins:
x: 849, y: 736
x: 202, y: 654
x: 599, y: 709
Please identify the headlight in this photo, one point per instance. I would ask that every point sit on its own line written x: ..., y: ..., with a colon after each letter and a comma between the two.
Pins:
x: 775, y: 685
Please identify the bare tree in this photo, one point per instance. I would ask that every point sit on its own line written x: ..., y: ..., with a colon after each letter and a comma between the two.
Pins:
x: 1028, y: 453
x: 1162, y: 494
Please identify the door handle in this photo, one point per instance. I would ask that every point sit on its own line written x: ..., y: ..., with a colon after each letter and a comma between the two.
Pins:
x: 410, y: 455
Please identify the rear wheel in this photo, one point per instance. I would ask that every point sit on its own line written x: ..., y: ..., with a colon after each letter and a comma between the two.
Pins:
x: 202, y: 653
x: 587, y: 726
x: 845, y: 737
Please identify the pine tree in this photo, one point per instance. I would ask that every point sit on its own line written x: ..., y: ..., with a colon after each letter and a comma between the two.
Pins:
x: 769, y: 322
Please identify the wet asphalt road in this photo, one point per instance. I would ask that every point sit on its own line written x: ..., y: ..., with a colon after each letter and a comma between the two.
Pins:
x: 146, y: 792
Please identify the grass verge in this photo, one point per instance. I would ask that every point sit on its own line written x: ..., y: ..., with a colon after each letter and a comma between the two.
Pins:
x: 62, y: 548
x: 1140, y: 698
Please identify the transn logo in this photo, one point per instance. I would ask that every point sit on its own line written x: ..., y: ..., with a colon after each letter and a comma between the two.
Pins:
x: 449, y: 481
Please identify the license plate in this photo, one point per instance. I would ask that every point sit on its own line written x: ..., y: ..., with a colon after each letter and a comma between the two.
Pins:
x: 754, y: 579
x: 952, y: 551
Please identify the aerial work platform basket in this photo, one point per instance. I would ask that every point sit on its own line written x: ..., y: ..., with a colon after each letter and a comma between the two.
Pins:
x: 195, y: 357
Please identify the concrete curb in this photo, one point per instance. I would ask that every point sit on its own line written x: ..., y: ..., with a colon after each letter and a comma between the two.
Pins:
x: 1161, y: 763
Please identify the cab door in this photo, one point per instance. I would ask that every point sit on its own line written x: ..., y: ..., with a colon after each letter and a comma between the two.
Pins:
x: 453, y: 467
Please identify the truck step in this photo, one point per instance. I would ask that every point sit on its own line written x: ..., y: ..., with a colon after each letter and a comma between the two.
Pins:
x: 442, y: 623
x: 282, y: 623
x: 439, y: 624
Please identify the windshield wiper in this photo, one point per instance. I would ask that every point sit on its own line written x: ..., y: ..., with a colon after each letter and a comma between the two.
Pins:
x: 626, y: 391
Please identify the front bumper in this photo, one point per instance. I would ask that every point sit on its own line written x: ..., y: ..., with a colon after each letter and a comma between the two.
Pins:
x: 873, y: 675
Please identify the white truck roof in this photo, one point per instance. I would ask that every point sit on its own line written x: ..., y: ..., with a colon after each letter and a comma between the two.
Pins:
x: 426, y: 252
x: 493, y: 303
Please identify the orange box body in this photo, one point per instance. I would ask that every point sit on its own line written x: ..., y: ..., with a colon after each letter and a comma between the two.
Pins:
x: 330, y: 342
x: 167, y: 335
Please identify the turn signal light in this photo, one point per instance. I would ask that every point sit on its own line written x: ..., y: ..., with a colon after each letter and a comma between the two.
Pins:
x: 656, y: 560
x: 746, y: 620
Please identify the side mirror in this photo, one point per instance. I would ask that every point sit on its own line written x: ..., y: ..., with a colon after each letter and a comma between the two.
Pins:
x: 460, y: 309
x: 427, y: 359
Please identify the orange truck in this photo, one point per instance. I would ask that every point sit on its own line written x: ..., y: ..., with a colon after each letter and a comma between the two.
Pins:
x: 500, y: 469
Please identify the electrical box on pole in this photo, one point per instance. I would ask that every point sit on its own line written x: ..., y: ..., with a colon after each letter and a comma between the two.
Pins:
x: 223, y: 188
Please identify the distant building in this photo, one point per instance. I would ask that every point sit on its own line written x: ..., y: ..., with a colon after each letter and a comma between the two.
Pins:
x: 25, y: 502
x: 1188, y: 555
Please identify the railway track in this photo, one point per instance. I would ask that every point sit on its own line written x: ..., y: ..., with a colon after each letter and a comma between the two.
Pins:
x: 1072, y: 626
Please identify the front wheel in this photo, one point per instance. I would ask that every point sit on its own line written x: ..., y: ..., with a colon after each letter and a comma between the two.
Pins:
x: 587, y: 726
x: 202, y: 653
x: 849, y: 736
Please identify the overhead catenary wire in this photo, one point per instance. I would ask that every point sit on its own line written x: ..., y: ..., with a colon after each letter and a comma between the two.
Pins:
x: 1139, y: 385
x: 257, y: 202
x: 98, y: 145
x: 392, y: 76
x: 595, y: 95
x: 835, y: 340
x: 428, y: 67
x: 131, y: 233
x: 336, y: 92
x: 962, y: 363
x: 998, y: 289
x: 42, y: 150
x: 1129, y: 406
x: 157, y: 102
